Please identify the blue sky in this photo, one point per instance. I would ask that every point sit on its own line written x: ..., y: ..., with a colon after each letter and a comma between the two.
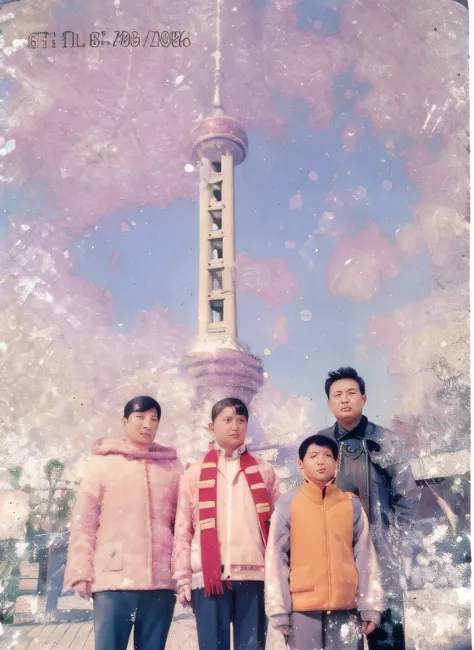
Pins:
x: 159, y: 255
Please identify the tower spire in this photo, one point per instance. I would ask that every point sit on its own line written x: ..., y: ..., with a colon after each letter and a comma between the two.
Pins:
x: 217, y: 108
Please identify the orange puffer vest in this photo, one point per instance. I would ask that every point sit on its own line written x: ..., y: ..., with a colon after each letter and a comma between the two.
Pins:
x: 323, y: 574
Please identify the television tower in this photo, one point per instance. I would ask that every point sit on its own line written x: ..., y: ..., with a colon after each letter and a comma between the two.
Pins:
x: 220, y: 365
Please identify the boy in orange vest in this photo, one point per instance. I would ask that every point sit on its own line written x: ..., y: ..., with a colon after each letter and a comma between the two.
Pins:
x: 322, y: 582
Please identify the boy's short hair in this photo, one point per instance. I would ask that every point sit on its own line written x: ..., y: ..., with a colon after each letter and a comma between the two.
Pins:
x: 321, y: 441
x: 343, y: 373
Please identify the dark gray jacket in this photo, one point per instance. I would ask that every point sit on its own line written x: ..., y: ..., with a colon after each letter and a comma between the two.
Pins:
x: 392, y: 500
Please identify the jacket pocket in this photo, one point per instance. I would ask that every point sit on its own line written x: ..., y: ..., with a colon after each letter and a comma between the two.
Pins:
x: 349, y: 576
x: 195, y: 558
x: 110, y: 556
x: 301, y: 579
x: 379, y: 475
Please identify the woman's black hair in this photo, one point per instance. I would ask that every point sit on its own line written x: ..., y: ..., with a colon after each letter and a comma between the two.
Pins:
x: 140, y: 405
x: 234, y: 403
x: 320, y: 441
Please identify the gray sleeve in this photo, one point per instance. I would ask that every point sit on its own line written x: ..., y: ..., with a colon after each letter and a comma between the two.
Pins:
x: 277, y: 565
x: 369, y: 596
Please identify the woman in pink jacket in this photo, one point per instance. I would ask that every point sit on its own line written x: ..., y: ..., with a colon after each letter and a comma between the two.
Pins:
x: 224, y: 509
x: 122, y: 533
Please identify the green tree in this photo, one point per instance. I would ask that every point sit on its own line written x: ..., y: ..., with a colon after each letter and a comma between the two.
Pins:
x: 15, y: 475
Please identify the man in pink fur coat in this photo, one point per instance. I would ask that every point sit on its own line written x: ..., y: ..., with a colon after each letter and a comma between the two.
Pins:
x: 122, y: 533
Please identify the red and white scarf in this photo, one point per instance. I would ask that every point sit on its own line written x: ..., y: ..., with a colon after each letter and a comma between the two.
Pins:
x: 210, y: 556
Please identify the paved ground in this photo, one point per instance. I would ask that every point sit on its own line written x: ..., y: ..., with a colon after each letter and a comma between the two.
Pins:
x: 437, y: 620
x: 79, y: 636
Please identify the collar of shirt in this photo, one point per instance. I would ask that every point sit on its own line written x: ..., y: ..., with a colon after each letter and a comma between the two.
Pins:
x: 237, y: 453
x: 357, y: 432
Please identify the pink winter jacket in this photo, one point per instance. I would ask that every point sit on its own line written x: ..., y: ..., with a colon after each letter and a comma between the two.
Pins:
x: 123, y: 518
x: 241, y: 546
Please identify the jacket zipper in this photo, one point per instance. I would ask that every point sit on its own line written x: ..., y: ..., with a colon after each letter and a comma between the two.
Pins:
x: 229, y: 525
x: 327, y: 552
x: 149, y: 540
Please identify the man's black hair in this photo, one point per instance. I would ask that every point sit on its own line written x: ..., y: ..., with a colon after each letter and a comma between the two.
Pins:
x: 140, y: 405
x: 235, y: 403
x: 343, y: 373
x: 321, y: 441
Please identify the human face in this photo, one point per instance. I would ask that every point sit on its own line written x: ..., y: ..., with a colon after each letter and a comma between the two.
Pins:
x: 346, y: 401
x: 318, y: 466
x: 229, y: 429
x: 140, y: 428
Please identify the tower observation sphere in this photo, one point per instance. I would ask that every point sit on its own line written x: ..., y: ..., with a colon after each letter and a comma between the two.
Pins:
x: 217, y: 135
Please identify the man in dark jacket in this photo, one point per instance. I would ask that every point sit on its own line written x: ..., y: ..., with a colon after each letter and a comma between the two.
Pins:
x: 374, y: 463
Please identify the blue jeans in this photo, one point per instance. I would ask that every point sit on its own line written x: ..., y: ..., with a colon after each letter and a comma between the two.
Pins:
x: 150, y: 612
x: 243, y: 605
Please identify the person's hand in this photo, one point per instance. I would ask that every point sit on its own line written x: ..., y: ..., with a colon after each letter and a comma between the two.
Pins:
x: 184, y: 596
x: 281, y: 623
x: 285, y: 630
x: 84, y: 589
x: 368, y: 627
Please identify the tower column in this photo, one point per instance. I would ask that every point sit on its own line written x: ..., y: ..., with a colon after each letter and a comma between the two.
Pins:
x: 228, y: 218
x: 205, y: 194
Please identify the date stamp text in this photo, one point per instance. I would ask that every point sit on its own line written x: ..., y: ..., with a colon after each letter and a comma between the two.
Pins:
x: 120, y: 38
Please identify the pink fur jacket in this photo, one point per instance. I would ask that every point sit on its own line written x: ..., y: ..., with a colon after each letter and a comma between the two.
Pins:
x: 122, y: 521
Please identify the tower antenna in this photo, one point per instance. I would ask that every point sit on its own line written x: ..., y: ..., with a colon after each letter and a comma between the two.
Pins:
x: 218, y: 109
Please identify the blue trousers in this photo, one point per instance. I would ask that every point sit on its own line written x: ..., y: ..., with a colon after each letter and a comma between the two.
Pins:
x: 243, y: 605
x: 150, y: 612
x: 324, y: 631
x: 390, y: 634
